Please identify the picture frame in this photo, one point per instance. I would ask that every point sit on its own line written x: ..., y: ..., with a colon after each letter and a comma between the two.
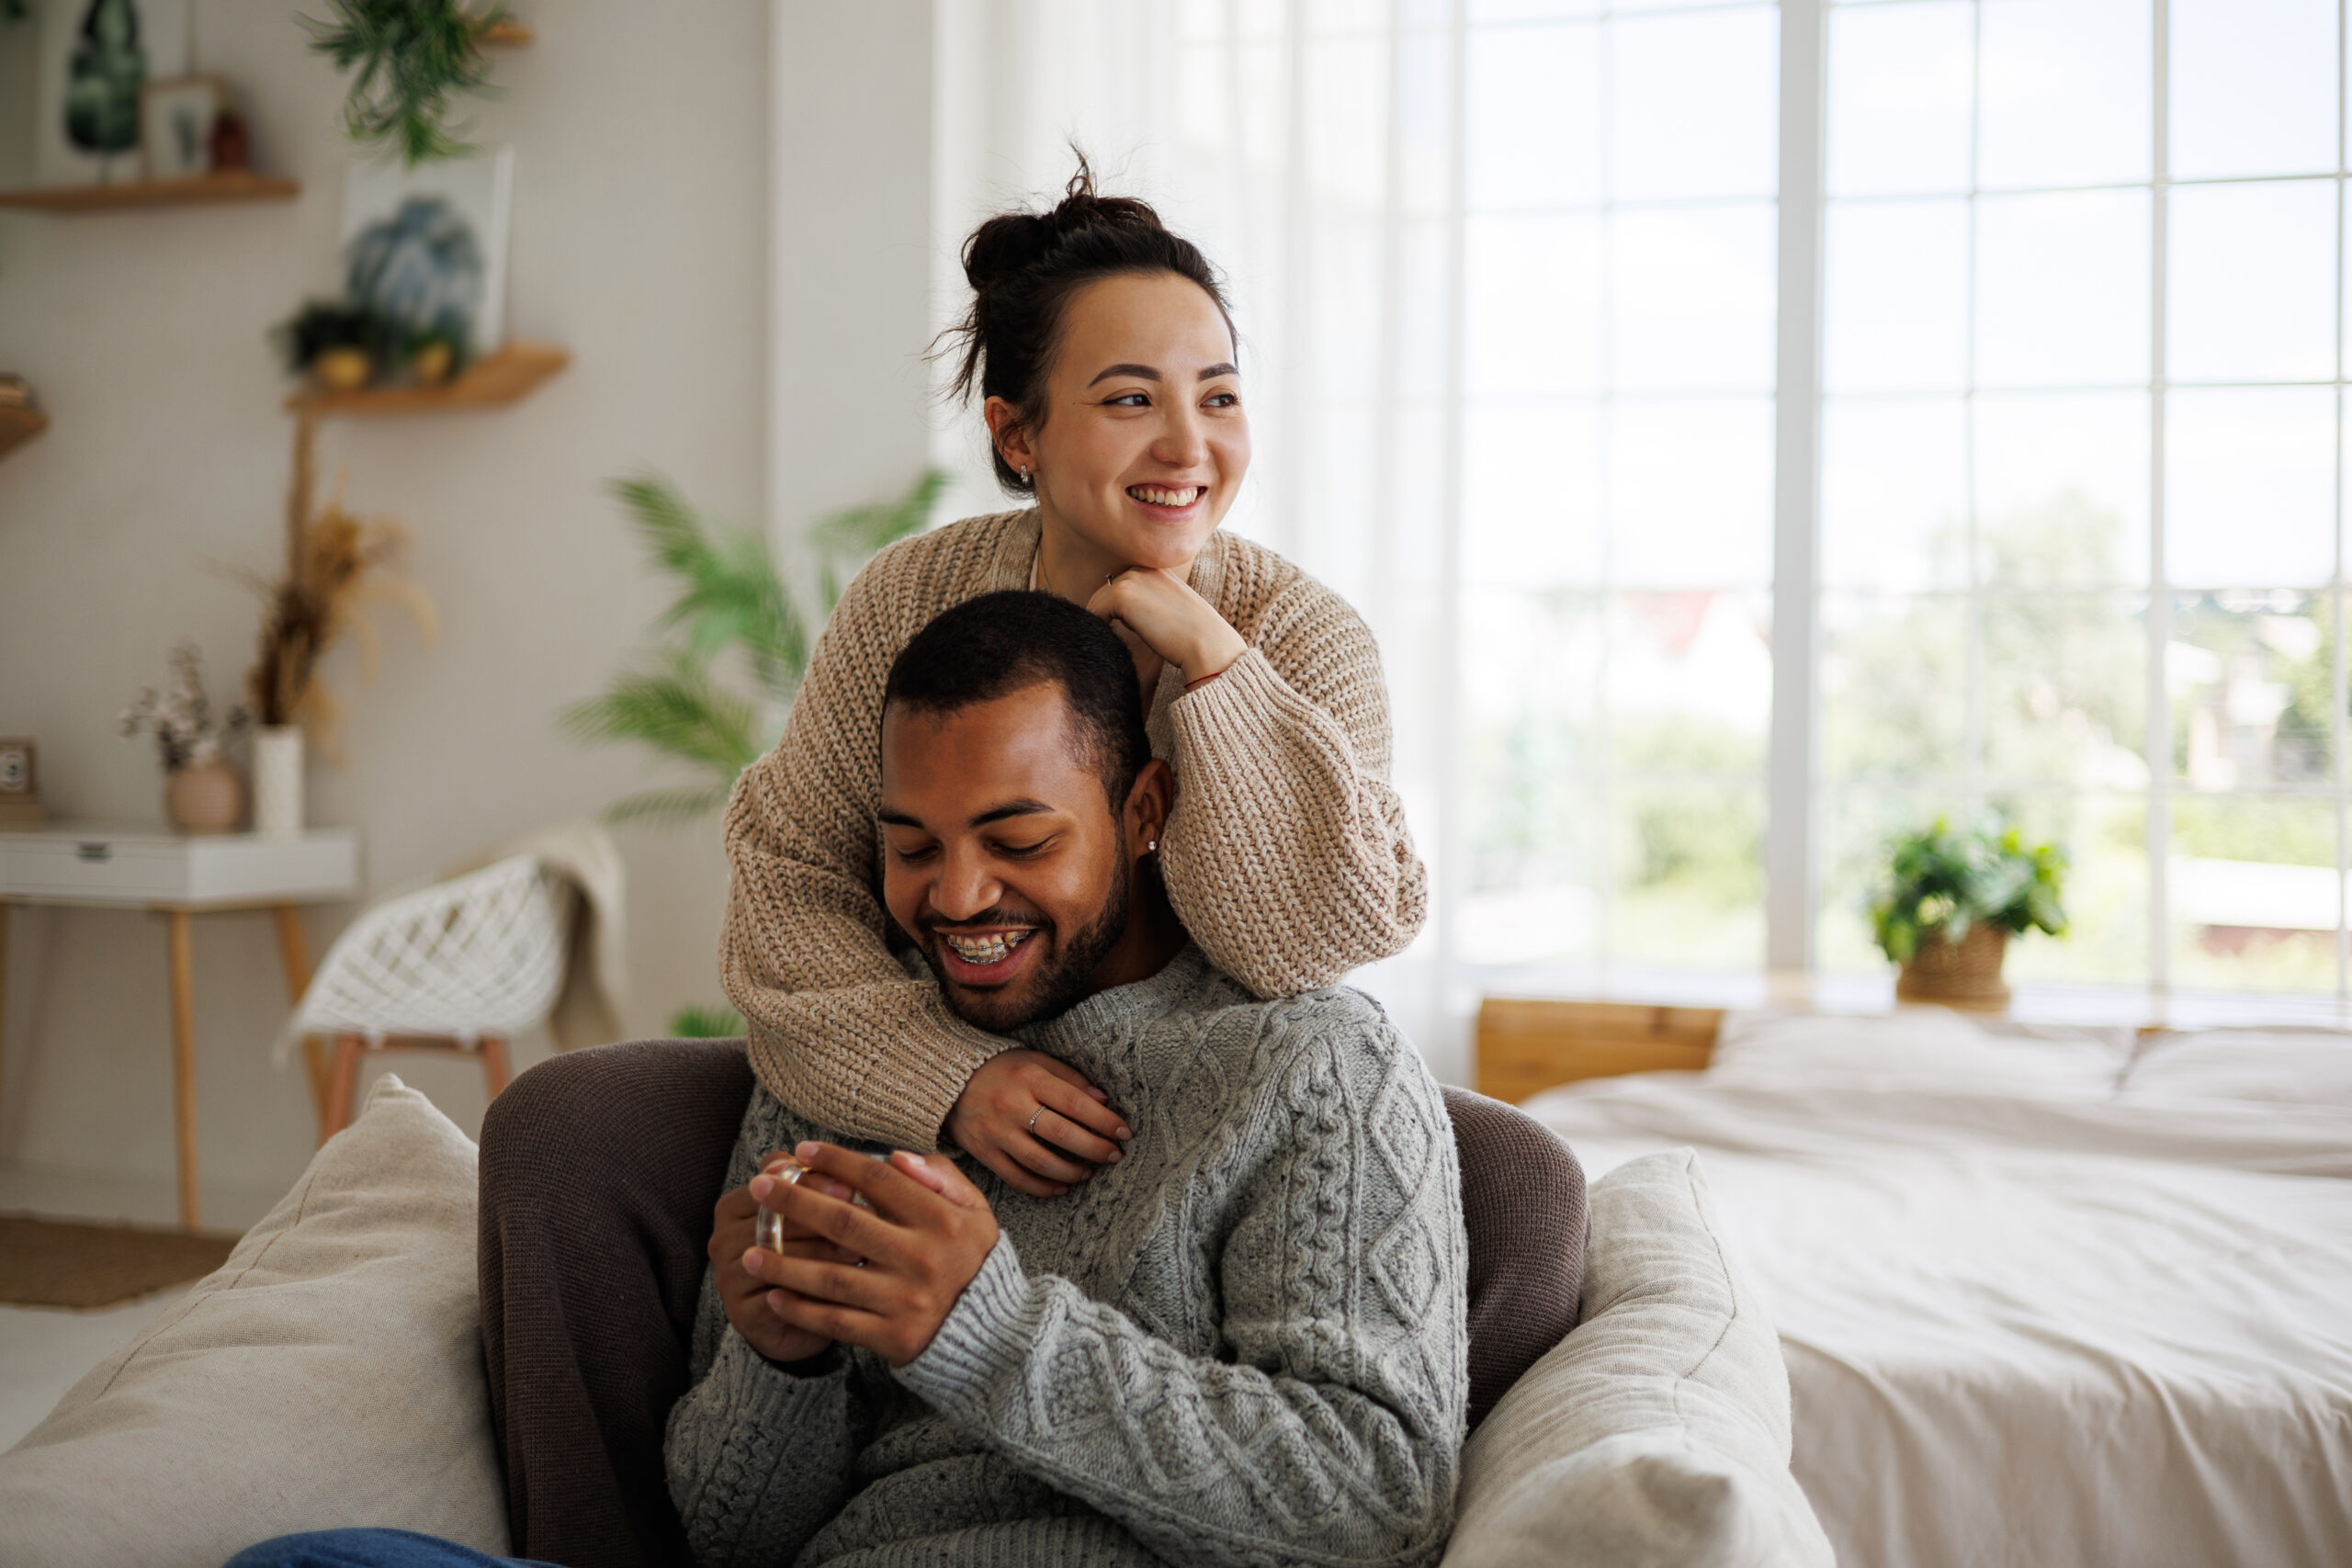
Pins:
x: 426, y: 247
x: 19, y: 767
x: 20, y: 806
x: 175, y: 119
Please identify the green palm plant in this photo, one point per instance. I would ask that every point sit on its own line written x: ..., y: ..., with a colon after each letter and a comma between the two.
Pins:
x: 730, y: 598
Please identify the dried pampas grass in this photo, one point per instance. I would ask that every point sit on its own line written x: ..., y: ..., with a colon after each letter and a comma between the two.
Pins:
x: 336, y: 563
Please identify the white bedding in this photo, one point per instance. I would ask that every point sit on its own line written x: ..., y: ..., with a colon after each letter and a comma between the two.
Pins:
x: 2044, y: 1298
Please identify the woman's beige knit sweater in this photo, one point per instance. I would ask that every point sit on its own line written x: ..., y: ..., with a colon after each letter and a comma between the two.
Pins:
x: 1287, y: 856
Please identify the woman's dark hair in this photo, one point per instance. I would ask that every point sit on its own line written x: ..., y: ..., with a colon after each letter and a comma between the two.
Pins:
x: 1025, y: 267
x: 1004, y: 642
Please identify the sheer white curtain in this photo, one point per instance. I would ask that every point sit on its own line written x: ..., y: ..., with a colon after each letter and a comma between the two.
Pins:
x: 1505, y: 276
x: 1312, y: 151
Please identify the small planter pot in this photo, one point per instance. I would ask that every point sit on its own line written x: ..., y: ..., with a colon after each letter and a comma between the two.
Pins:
x: 206, y: 798
x: 277, y: 780
x: 1966, y: 974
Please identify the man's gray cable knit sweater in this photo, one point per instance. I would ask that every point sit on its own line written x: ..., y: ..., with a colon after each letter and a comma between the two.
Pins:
x: 1245, y: 1343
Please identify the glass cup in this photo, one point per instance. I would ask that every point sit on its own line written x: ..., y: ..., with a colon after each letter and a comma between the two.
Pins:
x: 767, y: 1226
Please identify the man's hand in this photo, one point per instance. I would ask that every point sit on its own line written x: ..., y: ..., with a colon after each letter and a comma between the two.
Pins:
x: 740, y: 1267
x: 998, y: 1120
x: 923, y: 1236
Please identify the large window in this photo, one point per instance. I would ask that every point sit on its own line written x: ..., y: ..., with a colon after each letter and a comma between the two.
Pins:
x: 2081, y: 465
x: 2018, y: 435
x: 1617, y: 509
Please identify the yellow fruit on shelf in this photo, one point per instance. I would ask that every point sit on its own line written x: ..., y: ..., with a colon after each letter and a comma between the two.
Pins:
x: 431, y: 364
x: 342, y: 370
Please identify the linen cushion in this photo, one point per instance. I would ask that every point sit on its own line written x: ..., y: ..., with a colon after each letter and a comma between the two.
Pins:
x: 2292, y: 1066
x: 1657, y: 1434
x: 328, y: 1374
x: 1921, y: 1047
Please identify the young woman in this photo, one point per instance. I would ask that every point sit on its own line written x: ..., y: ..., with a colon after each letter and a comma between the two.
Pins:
x: 1100, y: 345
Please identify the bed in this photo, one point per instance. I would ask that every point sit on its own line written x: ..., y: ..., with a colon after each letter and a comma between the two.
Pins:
x: 2046, y: 1296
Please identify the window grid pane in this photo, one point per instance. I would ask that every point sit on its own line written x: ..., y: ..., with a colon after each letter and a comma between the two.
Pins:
x: 1621, y: 262
x: 1988, y: 485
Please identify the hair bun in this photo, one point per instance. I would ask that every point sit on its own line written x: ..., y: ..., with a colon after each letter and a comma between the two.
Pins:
x: 1013, y: 241
x: 1004, y: 246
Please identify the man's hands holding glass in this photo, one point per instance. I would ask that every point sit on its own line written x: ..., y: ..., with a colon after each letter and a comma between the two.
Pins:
x: 883, y: 1274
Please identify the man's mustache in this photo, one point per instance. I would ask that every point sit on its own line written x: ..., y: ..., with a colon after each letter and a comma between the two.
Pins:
x: 998, y: 918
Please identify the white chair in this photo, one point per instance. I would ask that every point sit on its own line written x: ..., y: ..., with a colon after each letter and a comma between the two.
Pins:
x: 462, y: 965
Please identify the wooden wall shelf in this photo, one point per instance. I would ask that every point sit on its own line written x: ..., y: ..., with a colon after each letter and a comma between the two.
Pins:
x: 230, y: 185
x: 507, y: 35
x: 19, y: 425
x: 507, y: 376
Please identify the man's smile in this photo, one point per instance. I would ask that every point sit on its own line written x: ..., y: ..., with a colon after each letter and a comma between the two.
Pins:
x: 993, y: 948
x: 988, y: 958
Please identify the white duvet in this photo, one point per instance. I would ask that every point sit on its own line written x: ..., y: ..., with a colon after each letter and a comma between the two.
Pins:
x: 2045, y: 1298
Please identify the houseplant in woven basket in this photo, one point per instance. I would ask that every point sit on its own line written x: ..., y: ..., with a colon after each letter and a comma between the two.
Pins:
x: 1948, y: 901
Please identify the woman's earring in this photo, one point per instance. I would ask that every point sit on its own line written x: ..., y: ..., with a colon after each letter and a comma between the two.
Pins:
x: 1152, y: 848
x: 1024, y: 473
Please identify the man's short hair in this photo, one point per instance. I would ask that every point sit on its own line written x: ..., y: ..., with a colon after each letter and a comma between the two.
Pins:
x: 1001, y: 643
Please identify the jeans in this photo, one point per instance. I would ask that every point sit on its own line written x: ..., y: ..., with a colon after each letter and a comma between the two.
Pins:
x: 369, y: 1548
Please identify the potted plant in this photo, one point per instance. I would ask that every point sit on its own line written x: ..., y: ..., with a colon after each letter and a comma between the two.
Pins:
x: 1950, y: 899
x: 731, y: 596
x: 406, y: 59
x: 201, y: 794
x: 341, y: 347
x: 334, y: 563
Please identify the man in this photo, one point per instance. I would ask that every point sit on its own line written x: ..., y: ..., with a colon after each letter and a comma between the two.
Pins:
x: 1241, y: 1341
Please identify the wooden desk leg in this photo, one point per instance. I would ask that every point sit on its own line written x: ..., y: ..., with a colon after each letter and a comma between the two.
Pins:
x: 184, y: 1062
x: 294, y: 954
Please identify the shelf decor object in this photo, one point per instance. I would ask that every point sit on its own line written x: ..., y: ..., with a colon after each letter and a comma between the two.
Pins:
x: 406, y: 59
x: 505, y: 376
x: 201, y: 795
x: 19, y: 425
x: 222, y: 185
x: 277, y: 780
x: 20, y: 805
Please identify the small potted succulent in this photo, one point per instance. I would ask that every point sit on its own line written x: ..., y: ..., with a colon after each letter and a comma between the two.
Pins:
x: 1950, y: 899
x: 201, y: 794
x: 340, y: 347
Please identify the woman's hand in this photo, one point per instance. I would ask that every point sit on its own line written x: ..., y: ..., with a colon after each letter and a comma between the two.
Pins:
x: 1162, y: 610
x: 1024, y: 1115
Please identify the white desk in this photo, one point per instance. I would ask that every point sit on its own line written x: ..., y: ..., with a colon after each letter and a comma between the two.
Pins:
x: 179, y: 875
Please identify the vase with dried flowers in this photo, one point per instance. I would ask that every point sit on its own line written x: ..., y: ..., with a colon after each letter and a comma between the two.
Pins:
x: 334, y: 563
x: 201, y: 793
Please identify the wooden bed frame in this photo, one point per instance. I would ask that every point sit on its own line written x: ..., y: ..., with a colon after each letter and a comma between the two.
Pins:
x: 1524, y: 1046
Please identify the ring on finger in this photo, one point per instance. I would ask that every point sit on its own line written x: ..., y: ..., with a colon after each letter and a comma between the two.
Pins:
x: 1033, y: 1118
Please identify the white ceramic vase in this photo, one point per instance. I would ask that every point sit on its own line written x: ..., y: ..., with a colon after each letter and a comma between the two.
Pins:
x: 277, y: 780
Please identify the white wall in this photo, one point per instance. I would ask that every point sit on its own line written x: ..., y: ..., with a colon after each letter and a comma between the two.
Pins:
x: 640, y: 237
x: 851, y: 200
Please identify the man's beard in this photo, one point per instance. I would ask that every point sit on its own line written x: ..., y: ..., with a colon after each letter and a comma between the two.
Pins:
x: 1063, y: 982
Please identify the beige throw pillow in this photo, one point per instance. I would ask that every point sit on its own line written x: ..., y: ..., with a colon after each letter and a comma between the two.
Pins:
x: 328, y: 1374
x: 1657, y: 1434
